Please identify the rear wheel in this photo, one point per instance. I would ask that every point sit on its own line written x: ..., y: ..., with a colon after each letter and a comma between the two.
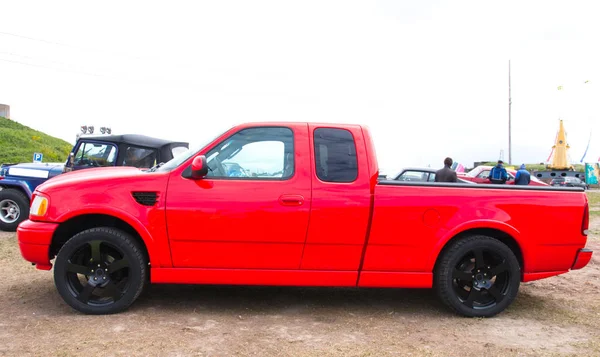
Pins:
x: 14, y: 209
x: 100, y: 271
x: 478, y: 276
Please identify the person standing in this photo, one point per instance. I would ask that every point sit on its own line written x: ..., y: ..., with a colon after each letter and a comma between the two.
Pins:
x: 523, y: 177
x: 498, y: 173
x: 446, y: 174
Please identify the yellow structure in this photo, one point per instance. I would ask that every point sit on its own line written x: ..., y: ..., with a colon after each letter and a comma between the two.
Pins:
x: 560, y: 159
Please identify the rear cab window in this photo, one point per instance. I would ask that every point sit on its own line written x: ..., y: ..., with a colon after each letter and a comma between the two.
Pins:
x: 335, y: 155
x: 139, y: 157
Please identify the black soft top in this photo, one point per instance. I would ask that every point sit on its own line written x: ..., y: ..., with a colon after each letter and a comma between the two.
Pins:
x: 134, y: 139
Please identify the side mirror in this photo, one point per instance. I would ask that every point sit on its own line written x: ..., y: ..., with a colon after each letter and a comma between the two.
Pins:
x: 70, y: 163
x: 199, y: 167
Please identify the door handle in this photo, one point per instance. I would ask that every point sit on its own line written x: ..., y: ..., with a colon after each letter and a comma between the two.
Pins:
x: 291, y: 200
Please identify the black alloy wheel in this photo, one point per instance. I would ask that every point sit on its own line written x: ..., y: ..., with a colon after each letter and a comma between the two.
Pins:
x: 478, y: 276
x: 100, y: 271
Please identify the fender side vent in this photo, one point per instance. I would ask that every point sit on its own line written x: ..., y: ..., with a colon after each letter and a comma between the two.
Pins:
x: 145, y: 198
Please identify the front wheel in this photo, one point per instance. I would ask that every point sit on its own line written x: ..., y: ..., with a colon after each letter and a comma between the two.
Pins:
x: 14, y: 209
x: 100, y: 271
x: 478, y: 276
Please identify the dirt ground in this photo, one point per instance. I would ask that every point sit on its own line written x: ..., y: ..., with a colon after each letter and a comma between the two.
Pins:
x: 553, y: 317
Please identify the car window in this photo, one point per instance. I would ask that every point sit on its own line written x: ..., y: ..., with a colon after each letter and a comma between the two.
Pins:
x: 335, y: 155
x: 95, y: 155
x: 484, y: 174
x: 178, y: 150
x: 139, y: 157
x: 255, y: 153
x: 431, y: 177
x: 413, y: 176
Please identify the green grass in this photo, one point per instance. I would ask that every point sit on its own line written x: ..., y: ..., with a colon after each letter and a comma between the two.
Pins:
x: 593, y: 198
x: 18, y: 143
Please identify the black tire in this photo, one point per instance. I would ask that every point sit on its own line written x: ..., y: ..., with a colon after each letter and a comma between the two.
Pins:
x: 100, y: 271
x: 10, y: 198
x: 477, y: 276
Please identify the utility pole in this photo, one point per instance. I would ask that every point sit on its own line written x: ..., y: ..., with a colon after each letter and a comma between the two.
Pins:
x: 509, y: 123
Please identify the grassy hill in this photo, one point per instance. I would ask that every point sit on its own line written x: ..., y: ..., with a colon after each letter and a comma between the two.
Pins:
x: 18, y: 143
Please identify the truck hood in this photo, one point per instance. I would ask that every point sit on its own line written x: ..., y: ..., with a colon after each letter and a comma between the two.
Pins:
x: 89, y: 176
x: 42, y: 170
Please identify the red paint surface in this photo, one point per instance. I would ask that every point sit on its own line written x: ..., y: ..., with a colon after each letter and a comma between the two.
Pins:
x: 34, y: 242
x: 254, y: 277
x: 583, y: 258
x: 395, y: 280
x: 307, y: 232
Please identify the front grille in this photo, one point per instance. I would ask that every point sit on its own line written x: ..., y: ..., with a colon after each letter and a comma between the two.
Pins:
x: 145, y: 198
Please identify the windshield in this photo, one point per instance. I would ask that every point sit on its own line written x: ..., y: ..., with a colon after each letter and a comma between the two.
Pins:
x: 186, y: 155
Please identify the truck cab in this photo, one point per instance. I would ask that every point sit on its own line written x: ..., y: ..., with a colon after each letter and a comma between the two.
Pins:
x: 18, y: 181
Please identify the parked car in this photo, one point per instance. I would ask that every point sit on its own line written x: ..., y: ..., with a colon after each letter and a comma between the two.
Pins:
x: 18, y: 181
x: 568, y: 182
x: 481, y: 174
x: 326, y: 221
x: 414, y: 174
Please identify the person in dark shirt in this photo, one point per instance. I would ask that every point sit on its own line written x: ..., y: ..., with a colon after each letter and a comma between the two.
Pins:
x: 523, y: 177
x: 498, y: 173
x: 446, y: 174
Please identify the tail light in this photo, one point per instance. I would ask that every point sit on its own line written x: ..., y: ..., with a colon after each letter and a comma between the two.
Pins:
x: 586, y: 220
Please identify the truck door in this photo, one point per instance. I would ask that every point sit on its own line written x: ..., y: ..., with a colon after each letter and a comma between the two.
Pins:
x: 341, y: 199
x: 251, y: 211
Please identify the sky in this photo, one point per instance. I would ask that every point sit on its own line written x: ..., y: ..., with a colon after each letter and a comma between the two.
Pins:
x: 429, y: 78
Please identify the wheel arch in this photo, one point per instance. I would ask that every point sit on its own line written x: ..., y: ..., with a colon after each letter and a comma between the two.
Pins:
x: 16, y: 185
x: 499, y: 234
x: 67, y: 229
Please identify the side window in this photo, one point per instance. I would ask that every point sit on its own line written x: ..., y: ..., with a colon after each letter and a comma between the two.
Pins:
x: 178, y: 150
x: 95, y: 155
x: 139, y: 157
x: 255, y: 153
x: 484, y: 174
x: 431, y: 177
x: 335, y: 155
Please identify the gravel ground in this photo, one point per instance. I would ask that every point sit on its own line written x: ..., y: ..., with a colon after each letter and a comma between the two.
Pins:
x: 556, y: 316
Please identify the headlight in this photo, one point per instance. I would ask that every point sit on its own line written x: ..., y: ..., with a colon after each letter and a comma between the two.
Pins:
x: 39, y: 206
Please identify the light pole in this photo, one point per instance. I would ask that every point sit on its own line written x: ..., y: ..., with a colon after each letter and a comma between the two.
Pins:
x: 509, y: 123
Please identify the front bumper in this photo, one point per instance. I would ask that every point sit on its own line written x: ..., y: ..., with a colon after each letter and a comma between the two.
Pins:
x: 34, y: 242
x: 582, y: 258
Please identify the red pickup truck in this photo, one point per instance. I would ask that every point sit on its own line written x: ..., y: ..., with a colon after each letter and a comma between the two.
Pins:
x: 296, y: 204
